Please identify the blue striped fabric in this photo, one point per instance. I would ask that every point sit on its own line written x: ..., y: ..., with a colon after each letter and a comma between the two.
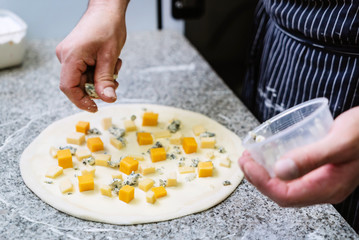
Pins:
x: 305, y: 49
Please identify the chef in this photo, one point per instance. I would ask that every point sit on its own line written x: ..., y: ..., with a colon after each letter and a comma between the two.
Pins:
x: 302, y: 50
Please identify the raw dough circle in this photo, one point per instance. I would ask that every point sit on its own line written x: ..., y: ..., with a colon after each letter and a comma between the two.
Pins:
x: 186, y: 198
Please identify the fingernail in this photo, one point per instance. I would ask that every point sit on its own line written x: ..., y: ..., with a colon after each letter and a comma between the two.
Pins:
x: 115, y: 76
x: 286, y: 169
x: 109, y: 92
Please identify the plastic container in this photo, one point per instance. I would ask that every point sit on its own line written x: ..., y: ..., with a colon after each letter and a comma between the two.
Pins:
x: 12, y: 39
x: 300, y: 125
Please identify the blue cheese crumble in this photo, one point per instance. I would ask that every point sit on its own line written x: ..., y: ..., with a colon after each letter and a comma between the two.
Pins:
x: 174, y: 126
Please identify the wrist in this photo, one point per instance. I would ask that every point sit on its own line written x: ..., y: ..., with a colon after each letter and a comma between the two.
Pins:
x: 113, y: 6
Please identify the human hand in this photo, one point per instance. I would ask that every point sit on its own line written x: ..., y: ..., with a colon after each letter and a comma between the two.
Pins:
x: 90, y: 53
x: 324, y: 172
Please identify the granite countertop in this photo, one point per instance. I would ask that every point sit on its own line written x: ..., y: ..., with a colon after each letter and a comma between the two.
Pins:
x: 161, y: 68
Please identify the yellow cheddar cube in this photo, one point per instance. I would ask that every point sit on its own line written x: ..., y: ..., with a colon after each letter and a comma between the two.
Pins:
x: 176, y: 139
x: 205, y: 169
x: 150, y: 197
x: 149, y: 119
x: 158, y: 154
x: 64, y: 158
x: 147, y: 169
x: 76, y: 138
x: 186, y: 169
x: 95, y: 144
x: 129, y: 125
x: 54, y: 172
x: 66, y: 186
x: 146, y: 184
x: 128, y: 165
x: 144, y: 138
x: 162, y: 134
x: 137, y: 157
x: 208, y: 142
x: 198, y: 129
x: 82, y: 154
x: 86, y: 183
x: 102, y: 159
x: 106, y: 123
x: 189, y: 145
x: 225, y: 162
x: 106, y: 190
x: 117, y: 176
x: 126, y: 194
x: 116, y: 143
x: 53, y: 152
x: 172, y: 179
x: 89, y: 170
x: 159, y: 191
x: 82, y: 127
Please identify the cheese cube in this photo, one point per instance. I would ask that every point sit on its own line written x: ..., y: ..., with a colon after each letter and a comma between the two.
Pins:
x: 147, y: 169
x: 129, y: 125
x: 137, y: 157
x: 189, y: 145
x: 106, y: 190
x: 66, y: 186
x: 86, y: 182
x: 146, y: 184
x: 106, y: 123
x: 126, y: 193
x: 172, y: 179
x: 118, y: 176
x: 208, y: 142
x: 162, y: 134
x: 76, y: 138
x: 186, y: 169
x: 149, y: 119
x: 53, y: 152
x: 95, y: 144
x: 102, y: 159
x: 197, y: 130
x: 176, y: 139
x: 116, y: 143
x: 54, y: 172
x: 89, y: 170
x: 159, y: 191
x: 158, y: 154
x: 144, y: 138
x: 82, y: 127
x: 225, y: 162
x: 205, y: 169
x: 82, y: 154
x: 210, y: 155
x: 128, y: 165
x: 64, y: 158
x: 150, y: 197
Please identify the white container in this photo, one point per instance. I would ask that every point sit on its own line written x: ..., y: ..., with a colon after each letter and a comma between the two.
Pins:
x: 300, y: 125
x: 12, y: 39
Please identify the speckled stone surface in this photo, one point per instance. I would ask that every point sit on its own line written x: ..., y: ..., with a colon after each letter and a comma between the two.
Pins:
x: 159, y: 68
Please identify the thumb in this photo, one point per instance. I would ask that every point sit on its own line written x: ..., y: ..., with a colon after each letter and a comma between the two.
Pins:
x: 302, y: 160
x: 104, y: 78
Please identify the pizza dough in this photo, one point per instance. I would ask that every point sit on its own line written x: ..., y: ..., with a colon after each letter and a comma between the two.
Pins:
x: 192, y: 194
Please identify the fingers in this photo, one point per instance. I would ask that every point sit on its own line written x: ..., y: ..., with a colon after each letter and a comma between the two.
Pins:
x: 104, y: 77
x: 328, y: 184
x: 302, y: 160
x: 72, y: 75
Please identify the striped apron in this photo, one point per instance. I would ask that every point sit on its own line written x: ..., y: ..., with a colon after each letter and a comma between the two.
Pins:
x: 305, y: 49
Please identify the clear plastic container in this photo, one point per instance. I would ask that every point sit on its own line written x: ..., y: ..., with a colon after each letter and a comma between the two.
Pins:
x: 300, y: 125
x: 12, y: 39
